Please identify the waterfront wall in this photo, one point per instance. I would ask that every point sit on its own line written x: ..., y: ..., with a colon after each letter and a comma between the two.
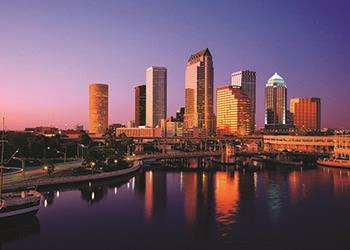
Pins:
x: 313, y: 144
x: 135, y: 166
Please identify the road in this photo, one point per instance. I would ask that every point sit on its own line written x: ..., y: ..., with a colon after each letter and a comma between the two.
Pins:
x: 38, y: 172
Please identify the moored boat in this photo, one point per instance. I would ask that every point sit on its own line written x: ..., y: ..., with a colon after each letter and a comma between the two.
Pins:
x: 25, y: 202
x: 337, y: 163
x: 285, y: 162
x: 14, y: 204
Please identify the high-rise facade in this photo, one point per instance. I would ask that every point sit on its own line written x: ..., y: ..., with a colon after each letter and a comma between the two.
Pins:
x: 233, y: 111
x: 246, y: 80
x: 275, y: 101
x: 180, y: 114
x: 199, y: 93
x: 98, y: 108
x: 140, y: 105
x: 306, y: 113
x: 156, y: 95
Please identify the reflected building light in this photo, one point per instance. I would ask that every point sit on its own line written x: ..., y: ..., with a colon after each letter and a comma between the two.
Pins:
x: 150, y: 176
x: 92, y: 195
x: 58, y: 194
x: 255, y: 176
x: 115, y: 190
x: 45, y: 203
x: 89, y: 184
x: 133, y: 183
x: 181, y: 180
x: 148, y: 197
x: 203, y: 177
x: 128, y: 185
x: 227, y: 197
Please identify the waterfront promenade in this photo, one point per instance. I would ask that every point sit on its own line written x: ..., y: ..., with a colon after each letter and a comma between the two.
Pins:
x: 39, y: 172
x: 40, y: 178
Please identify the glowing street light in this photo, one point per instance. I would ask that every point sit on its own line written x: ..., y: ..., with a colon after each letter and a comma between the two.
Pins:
x: 64, y: 155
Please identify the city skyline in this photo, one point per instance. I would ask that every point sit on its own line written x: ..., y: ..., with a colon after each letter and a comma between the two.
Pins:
x: 51, y: 59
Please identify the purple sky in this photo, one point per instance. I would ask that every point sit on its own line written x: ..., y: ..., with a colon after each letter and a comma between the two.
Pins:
x: 51, y: 50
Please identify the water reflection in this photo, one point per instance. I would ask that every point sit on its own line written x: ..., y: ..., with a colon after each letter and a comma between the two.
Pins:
x: 20, y: 228
x: 93, y: 194
x: 340, y: 180
x: 49, y: 197
x: 155, y: 194
x: 226, y: 200
x: 203, y: 209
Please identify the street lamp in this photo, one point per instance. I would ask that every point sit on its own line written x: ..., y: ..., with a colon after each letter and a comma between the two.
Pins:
x: 22, y: 162
x: 82, y: 149
x: 44, y: 152
x: 64, y: 155
x: 12, y: 156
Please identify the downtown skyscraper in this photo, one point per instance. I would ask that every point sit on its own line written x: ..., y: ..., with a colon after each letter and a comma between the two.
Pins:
x: 156, y: 95
x: 199, y: 94
x: 306, y: 113
x: 246, y: 81
x: 275, y: 102
x: 140, y: 105
x: 98, y: 108
x: 233, y: 112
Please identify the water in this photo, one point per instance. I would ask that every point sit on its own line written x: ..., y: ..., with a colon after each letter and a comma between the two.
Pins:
x: 194, y: 210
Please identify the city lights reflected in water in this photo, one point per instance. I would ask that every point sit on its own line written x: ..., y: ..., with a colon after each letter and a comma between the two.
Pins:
x: 226, y: 200
x: 181, y: 180
x: 133, y: 183
x: 205, y: 210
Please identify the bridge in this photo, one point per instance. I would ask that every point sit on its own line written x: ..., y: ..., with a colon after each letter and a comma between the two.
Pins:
x: 177, y: 155
x: 197, y: 143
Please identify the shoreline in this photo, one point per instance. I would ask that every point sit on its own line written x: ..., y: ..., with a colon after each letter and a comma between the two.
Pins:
x: 135, y: 167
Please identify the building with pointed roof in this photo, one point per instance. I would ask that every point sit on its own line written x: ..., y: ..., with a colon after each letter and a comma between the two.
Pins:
x: 276, y: 80
x: 199, y: 93
x: 275, y: 102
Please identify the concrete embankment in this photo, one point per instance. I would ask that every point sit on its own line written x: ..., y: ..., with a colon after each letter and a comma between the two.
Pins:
x: 135, y: 166
x: 41, y: 180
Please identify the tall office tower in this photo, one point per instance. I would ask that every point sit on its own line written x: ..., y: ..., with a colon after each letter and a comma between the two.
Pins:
x: 98, y: 108
x: 233, y: 111
x: 180, y: 115
x: 246, y: 80
x: 306, y: 113
x: 199, y: 93
x: 275, y: 101
x: 140, y: 105
x: 156, y: 95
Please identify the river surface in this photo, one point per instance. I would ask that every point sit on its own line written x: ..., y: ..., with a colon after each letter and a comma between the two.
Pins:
x: 158, y: 209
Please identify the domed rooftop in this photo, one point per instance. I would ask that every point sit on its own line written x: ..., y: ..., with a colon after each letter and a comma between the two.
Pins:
x: 276, y: 80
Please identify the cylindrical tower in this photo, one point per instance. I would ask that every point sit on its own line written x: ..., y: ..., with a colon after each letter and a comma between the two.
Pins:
x: 98, y: 108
